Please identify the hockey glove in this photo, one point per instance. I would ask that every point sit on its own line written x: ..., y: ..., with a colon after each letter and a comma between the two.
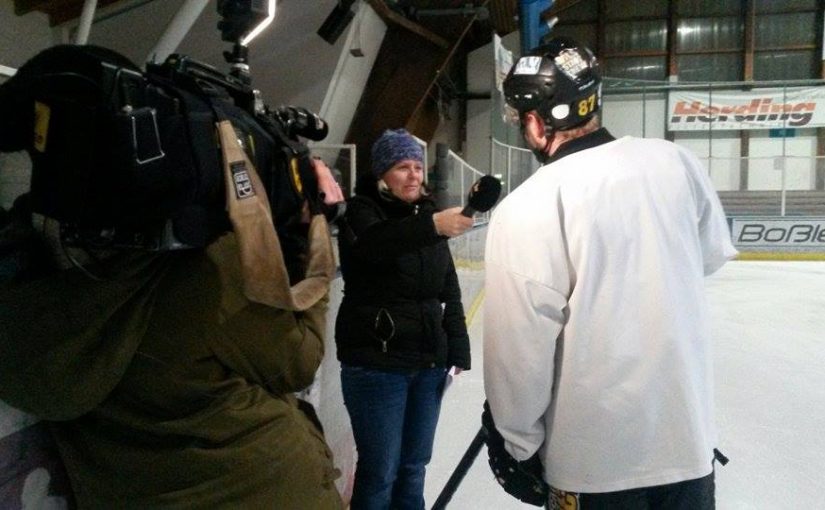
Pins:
x: 523, y: 480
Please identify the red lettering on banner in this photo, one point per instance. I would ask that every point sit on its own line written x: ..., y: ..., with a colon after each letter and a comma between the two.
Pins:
x: 757, y: 110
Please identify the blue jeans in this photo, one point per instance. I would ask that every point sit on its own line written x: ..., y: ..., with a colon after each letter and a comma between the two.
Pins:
x: 393, y: 415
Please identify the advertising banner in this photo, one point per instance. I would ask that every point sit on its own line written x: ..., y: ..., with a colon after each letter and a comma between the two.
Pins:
x: 798, y: 233
x: 800, y: 107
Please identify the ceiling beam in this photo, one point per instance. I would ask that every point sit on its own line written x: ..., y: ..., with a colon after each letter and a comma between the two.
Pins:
x: 390, y: 16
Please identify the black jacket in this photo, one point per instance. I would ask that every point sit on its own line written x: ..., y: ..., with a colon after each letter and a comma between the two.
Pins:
x: 402, y: 303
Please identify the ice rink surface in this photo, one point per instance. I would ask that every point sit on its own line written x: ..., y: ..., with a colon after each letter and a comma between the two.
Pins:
x: 768, y: 323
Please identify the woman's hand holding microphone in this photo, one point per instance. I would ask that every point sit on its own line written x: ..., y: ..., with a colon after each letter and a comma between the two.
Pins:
x: 450, y: 222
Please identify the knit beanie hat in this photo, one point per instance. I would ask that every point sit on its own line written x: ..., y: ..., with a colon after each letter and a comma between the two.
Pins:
x: 393, y: 146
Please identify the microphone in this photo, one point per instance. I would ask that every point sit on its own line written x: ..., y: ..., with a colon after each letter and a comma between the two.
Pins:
x: 482, y: 196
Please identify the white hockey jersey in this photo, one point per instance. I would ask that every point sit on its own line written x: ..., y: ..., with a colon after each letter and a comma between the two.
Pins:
x: 596, y: 342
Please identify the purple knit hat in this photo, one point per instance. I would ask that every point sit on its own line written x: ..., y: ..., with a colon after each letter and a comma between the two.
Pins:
x: 393, y: 146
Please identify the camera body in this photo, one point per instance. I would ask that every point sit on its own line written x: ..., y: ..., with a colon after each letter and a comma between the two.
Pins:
x: 129, y: 159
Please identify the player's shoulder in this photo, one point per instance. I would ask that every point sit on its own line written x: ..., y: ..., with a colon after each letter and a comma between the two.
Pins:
x: 651, y: 146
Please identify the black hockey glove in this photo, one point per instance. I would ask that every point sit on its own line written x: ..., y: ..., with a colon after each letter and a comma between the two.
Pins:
x: 523, y: 480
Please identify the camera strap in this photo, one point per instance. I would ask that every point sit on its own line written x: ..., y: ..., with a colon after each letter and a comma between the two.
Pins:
x: 265, y: 277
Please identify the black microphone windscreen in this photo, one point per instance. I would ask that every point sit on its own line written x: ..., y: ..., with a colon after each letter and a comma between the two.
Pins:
x: 484, y: 193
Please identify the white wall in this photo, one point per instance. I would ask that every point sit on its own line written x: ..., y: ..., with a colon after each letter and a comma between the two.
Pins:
x: 366, y: 32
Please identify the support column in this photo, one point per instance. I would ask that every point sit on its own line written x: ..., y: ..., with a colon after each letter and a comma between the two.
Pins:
x: 86, y: 19
x: 819, y: 182
x: 744, y: 163
x: 749, y: 15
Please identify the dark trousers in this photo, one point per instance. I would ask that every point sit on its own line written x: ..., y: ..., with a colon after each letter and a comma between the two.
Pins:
x: 697, y: 494
x: 393, y: 416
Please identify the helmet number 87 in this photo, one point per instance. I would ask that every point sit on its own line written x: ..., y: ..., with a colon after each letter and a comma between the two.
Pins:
x: 587, y: 105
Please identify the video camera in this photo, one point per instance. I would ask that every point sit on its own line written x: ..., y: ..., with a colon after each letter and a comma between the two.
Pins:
x: 129, y: 159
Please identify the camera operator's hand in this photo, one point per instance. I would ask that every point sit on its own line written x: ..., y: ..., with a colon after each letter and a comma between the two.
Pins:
x: 450, y: 222
x: 328, y: 187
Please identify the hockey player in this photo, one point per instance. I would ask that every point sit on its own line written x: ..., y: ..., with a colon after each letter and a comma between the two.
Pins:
x: 597, y: 353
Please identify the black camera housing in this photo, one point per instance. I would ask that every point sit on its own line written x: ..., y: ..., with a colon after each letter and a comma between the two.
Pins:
x: 127, y: 159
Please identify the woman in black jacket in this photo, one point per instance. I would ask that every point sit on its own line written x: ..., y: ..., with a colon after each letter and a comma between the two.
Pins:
x: 401, y: 323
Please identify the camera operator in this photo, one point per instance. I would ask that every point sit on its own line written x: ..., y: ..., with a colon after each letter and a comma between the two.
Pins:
x: 164, y: 385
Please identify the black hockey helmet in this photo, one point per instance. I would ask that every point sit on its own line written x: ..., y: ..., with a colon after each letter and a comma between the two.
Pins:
x: 560, y: 80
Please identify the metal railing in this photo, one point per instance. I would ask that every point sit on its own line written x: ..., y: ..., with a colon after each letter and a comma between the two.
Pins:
x: 785, y: 186
x: 455, y: 177
x: 513, y: 165
x: 782, y: 161
x: 635, y: 86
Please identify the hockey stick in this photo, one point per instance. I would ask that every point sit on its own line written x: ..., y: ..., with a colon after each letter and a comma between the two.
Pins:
x: 461, y: 470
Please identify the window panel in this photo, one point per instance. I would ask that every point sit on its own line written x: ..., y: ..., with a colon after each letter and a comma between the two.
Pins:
x: 711, y: 67
x: 709, y: 33
x: 636, y: 35
x: 785, y: 29
x: 586, y: 10
x: 707, y: 7
x: 638, y: 68
x: 774, y: 5
x: 583, y: 34
x: 623, y: 9
x: 785, y: 65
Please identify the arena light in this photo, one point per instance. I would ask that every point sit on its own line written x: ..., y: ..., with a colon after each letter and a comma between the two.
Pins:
x: 262, y: 25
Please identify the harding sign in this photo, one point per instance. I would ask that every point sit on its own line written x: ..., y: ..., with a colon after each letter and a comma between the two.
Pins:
x: 756, y: 109
x: 798, y: 233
